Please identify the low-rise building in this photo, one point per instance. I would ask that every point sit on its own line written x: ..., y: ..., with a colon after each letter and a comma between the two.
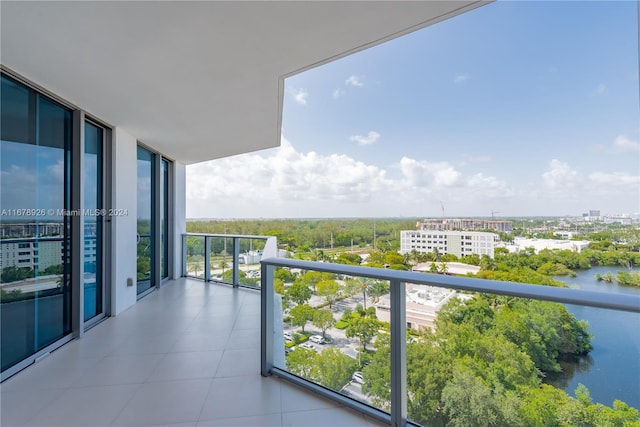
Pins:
x: 470, y: 224
x: 422, y: 305
x: 520, y: 244
x: 458, y: 243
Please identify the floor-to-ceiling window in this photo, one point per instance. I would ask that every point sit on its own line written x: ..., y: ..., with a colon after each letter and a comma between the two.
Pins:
x: 146, y: 220
x: 35, y: 147
x: 153, y: 221
x: 94, y: 217
x: 164, y: 218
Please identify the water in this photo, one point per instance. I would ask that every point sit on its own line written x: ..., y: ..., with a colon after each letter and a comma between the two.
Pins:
x: 612, y: 369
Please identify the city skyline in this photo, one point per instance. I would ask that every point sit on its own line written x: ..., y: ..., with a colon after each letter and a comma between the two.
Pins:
x: 516, y: 108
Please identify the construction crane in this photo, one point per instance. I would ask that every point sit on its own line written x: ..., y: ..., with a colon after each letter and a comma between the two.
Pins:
x: 493, y: 214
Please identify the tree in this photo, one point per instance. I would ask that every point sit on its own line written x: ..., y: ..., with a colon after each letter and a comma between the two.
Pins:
x: 364, y: 328
x: 333, y: 369
x: 392, y: 257
x: 328, y: 289
x: 223, y: 265
x: 311, y: 278
x: 299, y: 293
x: 376, y: 257
x: 301, y: 314
x: 301, y: 361
x: 442, y: 268
x: 13, y: 273
x: 349, y: 258
x: 469, y: 402
x: 284, y: 274
x: 278, y: 286
x: 323, y: 319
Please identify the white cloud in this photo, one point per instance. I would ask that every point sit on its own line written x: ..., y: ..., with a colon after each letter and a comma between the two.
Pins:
x: 461, y: 77
x: 490, y: 186
x: 338, y: 93
x: 622, y: 143
x: 285, y: 174
x: 285, y: 182
x: 560, y: 175
x: 371, y: 137
x: 601, y: 89
x: 614, y: 179
x: 299, y: 95
x: 354, y: 80
x: 314, y: 185
x: 56, y: 171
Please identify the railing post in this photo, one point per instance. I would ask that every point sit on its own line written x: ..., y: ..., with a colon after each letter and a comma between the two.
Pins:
x: 207, y: 258
x: 184, y: 255
x: 398, y: 353
x: 266, y: 314
x: 236, y: 264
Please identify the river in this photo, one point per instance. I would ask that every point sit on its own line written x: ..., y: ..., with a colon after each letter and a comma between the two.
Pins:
x: 612, y: 369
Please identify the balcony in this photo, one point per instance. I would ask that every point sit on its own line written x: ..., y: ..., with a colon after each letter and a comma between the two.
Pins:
x: 389, y: 387
x: 186, y: 355
x: 203, y: 353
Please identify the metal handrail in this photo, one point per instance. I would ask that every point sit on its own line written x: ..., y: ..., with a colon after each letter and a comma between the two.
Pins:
x: 398, y: 279
x: 270, y: 249
x: 540, y: 292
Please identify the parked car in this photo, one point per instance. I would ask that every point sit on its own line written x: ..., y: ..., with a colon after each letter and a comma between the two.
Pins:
x: 288, y: 336
x: 317, y: 339
x: 308, y: 346
x: 288, y: 350
x: 357, y: 377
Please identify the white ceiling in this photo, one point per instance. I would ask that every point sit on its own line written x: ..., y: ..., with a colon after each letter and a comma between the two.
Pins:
x: 194, y: 80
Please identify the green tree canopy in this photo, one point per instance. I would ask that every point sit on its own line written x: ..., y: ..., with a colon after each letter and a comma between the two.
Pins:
x: 328, y: 289
x: 364, y: 328
x: 301, y: 361
x: 333, y: 369
x: 299, y: 293
x: 301, y: 314
x: 323, y: 319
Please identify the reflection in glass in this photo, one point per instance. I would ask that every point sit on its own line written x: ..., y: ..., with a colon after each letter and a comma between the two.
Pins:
x: 35, y: 139
x: 164, y: 219
x: 92, y: 221
x: 145, y: 238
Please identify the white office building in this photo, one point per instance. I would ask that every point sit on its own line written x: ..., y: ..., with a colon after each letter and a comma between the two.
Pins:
x: 458, y: 243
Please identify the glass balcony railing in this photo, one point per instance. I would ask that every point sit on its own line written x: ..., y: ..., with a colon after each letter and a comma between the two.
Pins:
x: 413, y: 348
x: 226, y: 258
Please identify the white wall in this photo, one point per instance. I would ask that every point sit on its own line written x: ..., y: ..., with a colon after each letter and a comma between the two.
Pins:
x: 179, y: 215
x: 123, y: 254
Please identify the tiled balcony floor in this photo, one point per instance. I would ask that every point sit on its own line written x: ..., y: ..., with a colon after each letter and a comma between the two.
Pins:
x: 187, y: 355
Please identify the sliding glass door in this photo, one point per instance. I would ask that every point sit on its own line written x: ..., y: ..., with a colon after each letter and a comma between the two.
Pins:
x: 146, y: 221
x: 35, y: 290
x: 94, y: 217
x: 164, y: 219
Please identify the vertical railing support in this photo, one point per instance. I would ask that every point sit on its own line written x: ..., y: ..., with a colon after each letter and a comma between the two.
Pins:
x: 184, y: 255
x: 76, y: 252
x: 398, y: 353
x: 207, y: 258
x: 236, y: 264
x: 266, y: 324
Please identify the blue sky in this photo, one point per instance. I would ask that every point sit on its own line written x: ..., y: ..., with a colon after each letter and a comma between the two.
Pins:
x: 525, y: 108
